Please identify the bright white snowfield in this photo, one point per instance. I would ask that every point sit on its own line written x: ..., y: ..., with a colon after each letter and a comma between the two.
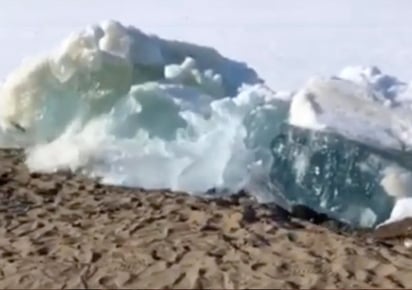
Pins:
x: 284, y: 41
x: 188, y: 95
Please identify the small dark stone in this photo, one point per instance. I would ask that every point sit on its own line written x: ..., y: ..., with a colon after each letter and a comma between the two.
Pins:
x: 339, y: 227
x: 291, y: 237
x: 43, y: 251
x: 278, y: 213
x: 306, y: 213
x: 211, y: 191
x: 223, y: 202
x: 7, y: 254
x: 209, y: 227
x: 249, y: 214
x: 35, y: 175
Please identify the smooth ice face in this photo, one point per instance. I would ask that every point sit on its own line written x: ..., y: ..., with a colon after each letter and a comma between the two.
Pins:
x: 331, y: 174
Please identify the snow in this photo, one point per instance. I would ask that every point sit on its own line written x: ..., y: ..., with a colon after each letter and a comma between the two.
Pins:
x: 285, y: 41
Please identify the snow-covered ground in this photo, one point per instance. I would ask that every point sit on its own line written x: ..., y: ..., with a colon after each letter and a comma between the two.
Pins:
x: 285, y: 41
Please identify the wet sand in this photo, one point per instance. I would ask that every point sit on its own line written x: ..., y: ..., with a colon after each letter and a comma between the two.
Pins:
x: 64, y: 231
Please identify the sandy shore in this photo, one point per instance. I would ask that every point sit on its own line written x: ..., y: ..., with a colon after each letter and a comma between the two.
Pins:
x: 62, y: 231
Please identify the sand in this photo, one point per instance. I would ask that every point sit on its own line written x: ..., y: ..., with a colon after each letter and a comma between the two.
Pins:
x: 64, y: 231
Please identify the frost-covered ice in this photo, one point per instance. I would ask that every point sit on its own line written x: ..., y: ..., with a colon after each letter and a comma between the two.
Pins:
x: 355, y: 111
x: 401, y: 210
x: 138, y: 110
x: 398, y: 183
